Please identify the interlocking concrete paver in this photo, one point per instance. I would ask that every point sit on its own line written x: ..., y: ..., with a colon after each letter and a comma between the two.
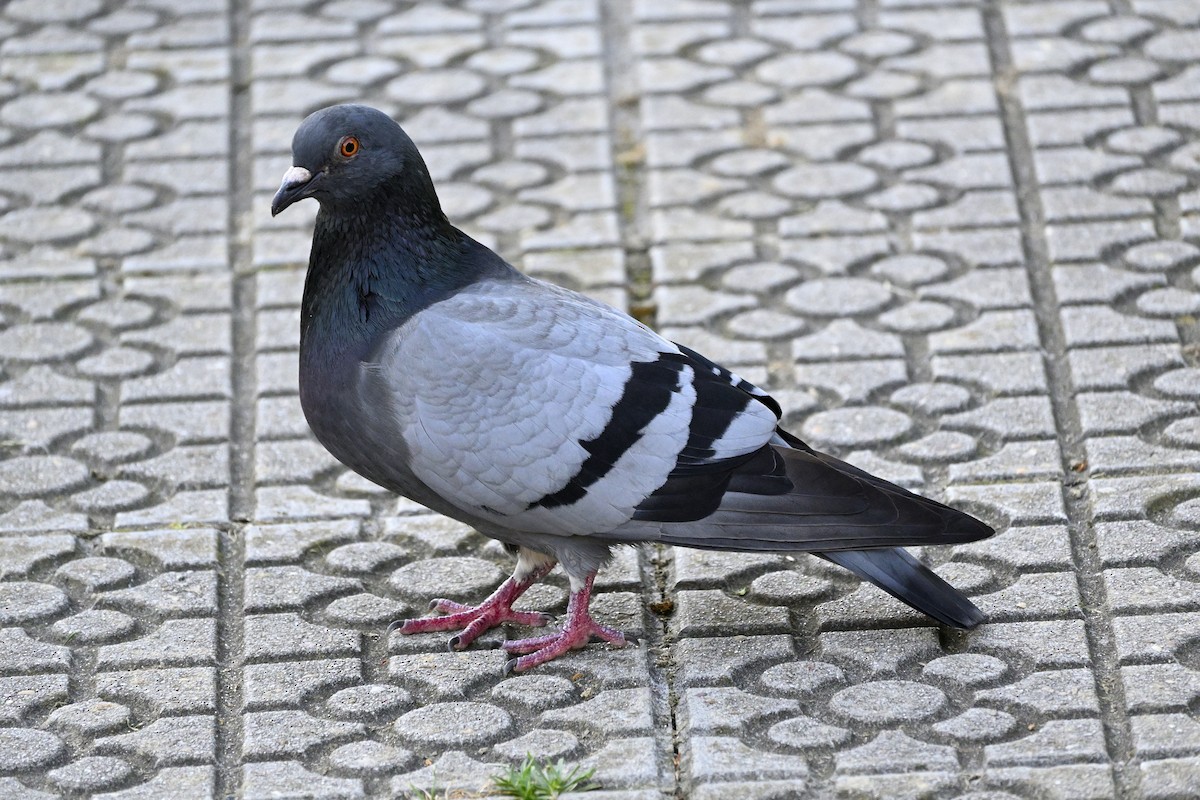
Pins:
x: 957, y: 240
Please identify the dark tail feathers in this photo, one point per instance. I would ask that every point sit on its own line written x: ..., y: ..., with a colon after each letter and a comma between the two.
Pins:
x: 899, y: 574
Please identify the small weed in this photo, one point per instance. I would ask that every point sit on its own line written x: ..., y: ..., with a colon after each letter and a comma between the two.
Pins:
x: 534, y: 781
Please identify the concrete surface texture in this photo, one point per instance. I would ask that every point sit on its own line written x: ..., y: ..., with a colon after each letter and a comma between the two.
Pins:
x: 957, y: 239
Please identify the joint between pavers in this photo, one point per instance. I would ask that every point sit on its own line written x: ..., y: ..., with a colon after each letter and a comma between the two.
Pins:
x: 230, y: 650
x: 1098, y: 624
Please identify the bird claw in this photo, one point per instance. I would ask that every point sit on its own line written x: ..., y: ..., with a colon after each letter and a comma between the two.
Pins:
x: 470, y: 621
x: 540, y: 649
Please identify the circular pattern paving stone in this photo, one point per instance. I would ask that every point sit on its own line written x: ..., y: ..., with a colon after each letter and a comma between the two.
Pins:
x: 968, y: 669
x: 505, y: 103
x: 97, y: 626
x: 765, y: 323
x: 919, y: 316
x: 882, y: 85
x: 122, y: 84
x: 26, y: 748
x: 436, y: 86
x: 463, y: 199
x: 459, y: 724
x: 37, y: 476
x: 798, y: 678
x: 808, y: 69
x: 369, y: 758
x: 888, y: 702
x: 118, y: 242
x: 1160, y: 256
x: 28, y: 601
x: 804, y: 732
x: 512, y: 174
x: 45, y: 224
x: 123, y: 22
x: 839, y: 297
x: 825, y: 180
x: 1181, y: 45
x: 115, y: 363
x: 741, y: 163
x: 536, y: 692
x: 362, y: 71
x: 932, y: 398
x: 1142, y: 140
x: 910, y: 270
x: 453, y: 575
x: 118, y: 313
x: 90, y: 774
x: 878, y: 44
x: 903, y: 197
x: 940, y: 446
x: 503, y: 60
x: 111, y: 496
x: 1127, y: 71
x: 855, y: 427
x: 754, y: 205
x: 372, y: 700
x: 1183, y: 433
x: 44, y: 341
x: 789, y: 586
x: 48, y: 110
x: 122, y: 127
x: 733, y: 52
x: 61, y: 11
x: 547, y: 743
x: 740, y: 94
x: 118, y: 198
x: 1148, y: 182
x: 113, y: 447
x: 1116, y: 29
x: 96, y: 573
x: 1169, y: 302
x: 1183, y: 383
x: 364, y: 557
x: 897, y: 154
x: 359, y: 10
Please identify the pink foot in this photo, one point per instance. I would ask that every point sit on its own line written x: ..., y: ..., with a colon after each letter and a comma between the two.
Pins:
x: 474, y: 620
x: 579, y: 630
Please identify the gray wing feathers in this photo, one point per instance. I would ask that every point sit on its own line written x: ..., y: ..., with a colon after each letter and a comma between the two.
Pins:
x: 502, y: 440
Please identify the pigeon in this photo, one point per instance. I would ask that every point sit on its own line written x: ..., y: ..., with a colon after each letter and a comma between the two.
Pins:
x: 551, y: 422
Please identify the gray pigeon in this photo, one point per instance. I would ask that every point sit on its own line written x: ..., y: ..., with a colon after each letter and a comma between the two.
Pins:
x: 546, y: 420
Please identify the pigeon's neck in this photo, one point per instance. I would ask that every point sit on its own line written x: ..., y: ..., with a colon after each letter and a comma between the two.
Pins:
x: 367, y: 274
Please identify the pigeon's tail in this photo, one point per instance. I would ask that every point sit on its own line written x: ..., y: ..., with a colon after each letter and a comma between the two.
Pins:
x: 902, y: 576
x: 789, y: 497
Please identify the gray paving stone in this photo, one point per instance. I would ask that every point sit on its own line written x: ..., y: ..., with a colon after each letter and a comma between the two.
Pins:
x: 175, y: 642
x: 283, y: 734
x: 455, y: 724
x: 269, y: 778
x: 20, y: 695
x: 90, y: 718
x: 788, y: 150
x: 614, y: 713
x: 167, y: 742
x: 288, y: 683
x: 90, y: 774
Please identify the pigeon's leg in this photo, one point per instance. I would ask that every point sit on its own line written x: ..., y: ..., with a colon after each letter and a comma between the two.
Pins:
x: 579, y: 630
x: 495, y: 610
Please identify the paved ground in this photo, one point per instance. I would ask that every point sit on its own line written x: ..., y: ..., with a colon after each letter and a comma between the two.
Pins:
x: 957, y: 238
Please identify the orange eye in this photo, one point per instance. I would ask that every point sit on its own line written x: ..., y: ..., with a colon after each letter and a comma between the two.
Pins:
x: 348, y: 147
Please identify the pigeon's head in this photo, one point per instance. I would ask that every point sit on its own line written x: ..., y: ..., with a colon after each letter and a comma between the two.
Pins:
x: 344, y: 155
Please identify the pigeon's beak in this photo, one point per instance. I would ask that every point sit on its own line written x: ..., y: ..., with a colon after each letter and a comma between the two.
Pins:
x: 297, y: 185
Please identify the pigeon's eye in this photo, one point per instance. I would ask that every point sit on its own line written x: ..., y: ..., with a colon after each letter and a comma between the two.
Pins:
x: 348, y: 147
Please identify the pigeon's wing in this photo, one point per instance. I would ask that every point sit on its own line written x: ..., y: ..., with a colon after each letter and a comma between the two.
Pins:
x: 542, y: 411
